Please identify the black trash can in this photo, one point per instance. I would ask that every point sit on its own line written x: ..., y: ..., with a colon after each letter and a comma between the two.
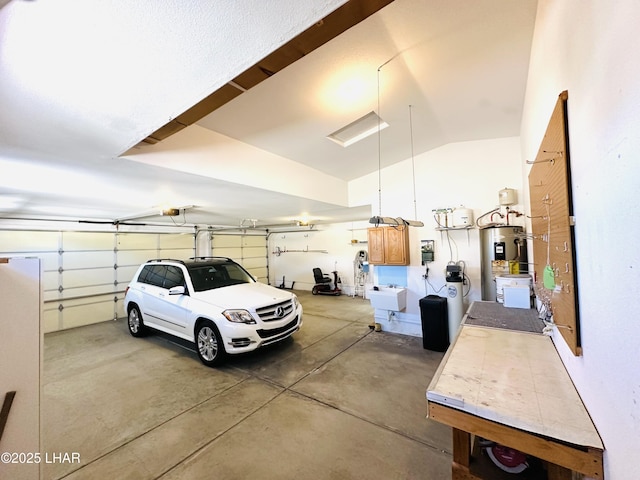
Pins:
x: 435, y: 323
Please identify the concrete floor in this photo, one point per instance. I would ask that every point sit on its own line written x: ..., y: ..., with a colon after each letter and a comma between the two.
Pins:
x: 335, y: 401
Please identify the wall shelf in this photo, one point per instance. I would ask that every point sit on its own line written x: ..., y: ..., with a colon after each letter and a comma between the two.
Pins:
x: 446, y: 229
x: 279, y: 251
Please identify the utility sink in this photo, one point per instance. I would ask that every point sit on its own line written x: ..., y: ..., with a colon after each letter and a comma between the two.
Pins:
x: 388, y: 298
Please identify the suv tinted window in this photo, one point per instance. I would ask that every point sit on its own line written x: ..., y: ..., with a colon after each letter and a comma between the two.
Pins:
x: 165, y: 276
x: 208, y: 277
x: 153, y: 275
x: 173, y: 277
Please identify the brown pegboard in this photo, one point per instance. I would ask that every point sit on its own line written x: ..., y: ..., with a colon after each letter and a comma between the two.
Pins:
x: 552, y: 225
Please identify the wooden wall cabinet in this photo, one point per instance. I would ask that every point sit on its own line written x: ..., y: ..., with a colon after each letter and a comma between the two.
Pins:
x: 388, y: 245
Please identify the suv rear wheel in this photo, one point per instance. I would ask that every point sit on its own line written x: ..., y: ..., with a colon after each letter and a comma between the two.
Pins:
x: 209, y: 344
x: 135, y: 323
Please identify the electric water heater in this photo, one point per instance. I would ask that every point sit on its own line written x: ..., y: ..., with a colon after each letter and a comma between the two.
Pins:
x: 503, y: 252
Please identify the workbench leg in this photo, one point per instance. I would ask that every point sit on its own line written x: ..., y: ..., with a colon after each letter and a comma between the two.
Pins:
x: 556, y: 472
x: 461, y: 455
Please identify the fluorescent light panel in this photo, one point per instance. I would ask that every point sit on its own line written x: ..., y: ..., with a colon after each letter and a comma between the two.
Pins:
x: 357, y: 130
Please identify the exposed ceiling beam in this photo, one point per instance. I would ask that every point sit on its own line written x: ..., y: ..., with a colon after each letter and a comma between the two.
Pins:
x: 337, y: 22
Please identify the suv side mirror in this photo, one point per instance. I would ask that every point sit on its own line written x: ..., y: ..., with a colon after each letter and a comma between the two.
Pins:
x: 177, y: 290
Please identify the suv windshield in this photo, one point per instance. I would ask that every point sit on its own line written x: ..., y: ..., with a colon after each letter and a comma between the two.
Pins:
x: 208, y: 276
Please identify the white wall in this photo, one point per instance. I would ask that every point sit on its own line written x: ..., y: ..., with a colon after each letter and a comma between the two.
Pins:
x: 304, y: 249
x: 591, y: 49
x: 468, y: 173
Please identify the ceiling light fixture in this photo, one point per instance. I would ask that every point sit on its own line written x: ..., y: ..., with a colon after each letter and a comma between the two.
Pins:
x: 170, y: 212
x: 357, y: 130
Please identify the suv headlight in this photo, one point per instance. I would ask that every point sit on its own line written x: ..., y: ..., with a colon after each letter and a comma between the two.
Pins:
x: 295, y: 302
x: 238, y: 316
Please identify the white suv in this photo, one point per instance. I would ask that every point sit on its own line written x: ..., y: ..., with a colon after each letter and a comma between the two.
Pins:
x: 212, y: 302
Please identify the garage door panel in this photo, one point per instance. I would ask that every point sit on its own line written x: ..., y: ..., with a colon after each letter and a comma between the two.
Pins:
x: 255, y: 250
x: 137, y: 241
x: 125, y: 274
x: 50, y: 295
x: 91, y: 259
x: 50, y: 319
x: 248, y: 250
x: 28, y: 242
x: 49, y: 261
x: 127, y: 258
x: 254, y: 241
x: 87, y: 291
x: 60, y: 315
x: 87, y: 241
x: 84, y: 277
x: 178, y: 254
x: 251, y: 263
x: 50, y: 280
x: 234, y: 253
x: 179, y: 241
x: 76, y: 315
x: 260, y: 274
x: 255, y: 253
x: 226, y: 241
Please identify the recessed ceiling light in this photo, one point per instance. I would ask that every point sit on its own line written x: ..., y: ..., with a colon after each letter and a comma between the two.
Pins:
x: 359, y: 129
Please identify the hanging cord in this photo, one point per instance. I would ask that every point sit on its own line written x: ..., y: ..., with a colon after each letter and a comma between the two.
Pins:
x: 413, y: 165
x: 449, y: 241
x: 379, y: 150
x: 466, y: 280
x: 428, y: 284
x: 379, y: 142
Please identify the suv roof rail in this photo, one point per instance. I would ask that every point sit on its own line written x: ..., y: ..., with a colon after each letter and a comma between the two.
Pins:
x: 165, y: 260
x: 209, y: 258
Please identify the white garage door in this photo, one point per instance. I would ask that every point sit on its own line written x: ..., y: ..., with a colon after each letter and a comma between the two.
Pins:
x: 85, y: 273
x: 248, y: 250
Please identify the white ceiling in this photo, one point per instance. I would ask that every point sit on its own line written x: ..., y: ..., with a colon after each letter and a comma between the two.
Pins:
x: 84, y: 81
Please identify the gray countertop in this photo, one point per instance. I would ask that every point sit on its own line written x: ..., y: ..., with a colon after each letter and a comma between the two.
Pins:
x: 496, y: 315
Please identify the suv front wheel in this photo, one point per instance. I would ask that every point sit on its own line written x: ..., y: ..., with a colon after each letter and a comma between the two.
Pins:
x: 209, y: 344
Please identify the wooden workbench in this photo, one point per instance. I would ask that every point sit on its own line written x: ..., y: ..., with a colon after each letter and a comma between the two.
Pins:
x: 511, y: 387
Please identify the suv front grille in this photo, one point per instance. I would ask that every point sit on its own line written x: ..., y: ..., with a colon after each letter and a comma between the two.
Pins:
x: 276, y: 311
x: 277, y: 331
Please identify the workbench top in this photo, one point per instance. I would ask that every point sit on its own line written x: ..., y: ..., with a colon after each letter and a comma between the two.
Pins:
x: 514, y: 378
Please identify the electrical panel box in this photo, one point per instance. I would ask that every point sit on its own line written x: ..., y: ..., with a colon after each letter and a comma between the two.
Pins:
x: 427, y: 251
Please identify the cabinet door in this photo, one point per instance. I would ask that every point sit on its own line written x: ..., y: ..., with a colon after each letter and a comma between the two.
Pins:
x: 375, y: 237
x: 396, y: 246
